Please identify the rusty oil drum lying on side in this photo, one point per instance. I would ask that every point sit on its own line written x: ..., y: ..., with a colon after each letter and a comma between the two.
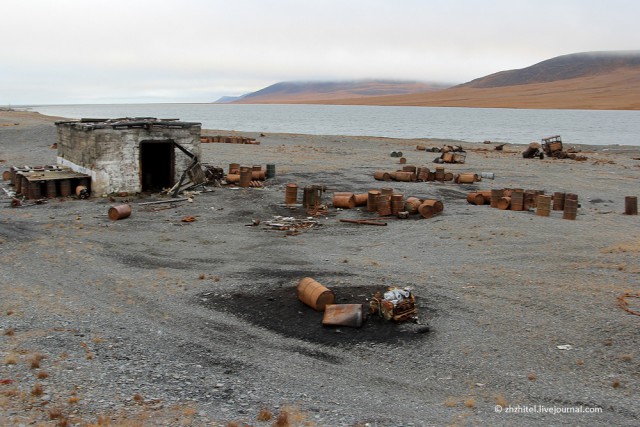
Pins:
x: 314, y: 294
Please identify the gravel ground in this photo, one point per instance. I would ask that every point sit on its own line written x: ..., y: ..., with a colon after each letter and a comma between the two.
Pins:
x: 154, y: 321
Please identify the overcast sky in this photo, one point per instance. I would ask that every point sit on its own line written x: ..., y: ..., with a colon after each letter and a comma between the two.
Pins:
x: 117, y: 51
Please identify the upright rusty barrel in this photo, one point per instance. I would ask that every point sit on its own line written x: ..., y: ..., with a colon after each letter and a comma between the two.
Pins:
x: 439, y: 173
x: 543, y: 205
x: 51, y: 189
x: 245, y: 176
x: 558, y: 201
x: 291, y: 194
x: 234, y: 168
x: 311, y: 197
x: 517, y: 199
x: 397, y: 203
x: 631, y: 205
x: 65, y: 187
x: 372, y: 200
x: 570, y: 206
x: 119, y: 212
x: 35, y: 191
x: 314, y: 294
x: 383, y: 205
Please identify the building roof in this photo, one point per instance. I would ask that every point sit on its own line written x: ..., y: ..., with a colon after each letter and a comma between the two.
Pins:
x: 127, y: 123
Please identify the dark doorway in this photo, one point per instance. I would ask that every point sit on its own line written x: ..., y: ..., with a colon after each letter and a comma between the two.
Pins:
x: 156, y: 165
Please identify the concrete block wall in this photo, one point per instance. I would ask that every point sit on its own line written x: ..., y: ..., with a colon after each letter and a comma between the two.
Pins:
x: 111, y: 154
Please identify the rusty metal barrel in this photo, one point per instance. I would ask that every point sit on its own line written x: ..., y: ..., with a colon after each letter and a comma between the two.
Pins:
x: 529, y: 199
x: 448, y: 176
x: 35, y: 190
x: 409, y: 168
x: 570, y: 206
x: 402, y: 160
x: 430, y: 207
x: 344, y: 200
x: 631, y: 205
x: 422, y: 174
x: 361, y: 199
x: 383, y: 205
x: 543, y: 205
x: 496, y: 194
x: 475, y: 198
x: 372, y: 200
x: 397, y: 203
x: 245, y: 176
x: 233, y: 178
x: 558, y: 201
x: 51, y: 189
x: 119, y: 212
x: 258, y: 175
x: 291, y: 194
x: 412, y: 204
x: 504, y: 203
x: 311, y: 196
x: 234, y: 168
x: 386, y: 191
x: 65, y: 187
x: 6, y: 175
x: 314, y: 294
x: 439, y: 173
x: 382, y: 176
x: 517, y: 199
x: 466, y: 178
x: 405, y: 176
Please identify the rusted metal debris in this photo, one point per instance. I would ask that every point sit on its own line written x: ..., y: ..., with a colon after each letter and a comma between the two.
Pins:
x: 396, y: 304
x: 291, y: 225
x: 343, y: 315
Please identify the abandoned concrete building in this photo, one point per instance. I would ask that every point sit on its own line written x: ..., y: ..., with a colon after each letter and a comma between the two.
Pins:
x: 129, y: 155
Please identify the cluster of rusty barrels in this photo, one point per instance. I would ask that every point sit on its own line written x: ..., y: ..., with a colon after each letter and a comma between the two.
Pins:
x: 410, y: 173
x: 48, y: 186
x: 311, y: 195
x: 229, y: 139
x: 517, y: 199
x: 249, y: 176
x: 385, y: 202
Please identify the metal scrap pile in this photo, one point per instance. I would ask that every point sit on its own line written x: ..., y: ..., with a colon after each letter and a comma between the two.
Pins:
x: 395, y: 304
x: 292, y: 225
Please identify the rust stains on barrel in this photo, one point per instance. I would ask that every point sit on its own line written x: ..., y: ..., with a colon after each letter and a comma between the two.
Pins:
x: 314, y: 294
x: 119, y: 212
x: 558, y: 201
x: 570, y: 206
x: 475, y: 198
x: 543, y: 205
x: 382, y: 176
x: 517, y: 199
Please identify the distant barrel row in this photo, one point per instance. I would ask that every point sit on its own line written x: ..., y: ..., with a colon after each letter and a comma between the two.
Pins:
x: 423, y: 174
x: 249, y: 176
x: 517, y: 199
x: 384, y: 201
x: 229, y: 139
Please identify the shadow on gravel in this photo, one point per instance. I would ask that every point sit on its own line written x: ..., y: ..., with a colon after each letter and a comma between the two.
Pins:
x: 279, y: 310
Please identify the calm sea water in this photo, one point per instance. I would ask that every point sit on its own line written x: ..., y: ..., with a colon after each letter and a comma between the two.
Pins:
x: 518, y: 126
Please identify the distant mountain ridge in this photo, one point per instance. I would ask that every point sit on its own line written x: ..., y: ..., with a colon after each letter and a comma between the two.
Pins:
x: 604, y: 80
x: 561, y: 68
x: 295, y: 91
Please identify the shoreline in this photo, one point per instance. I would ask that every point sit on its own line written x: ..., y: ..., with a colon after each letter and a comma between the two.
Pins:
x: 34, y: 117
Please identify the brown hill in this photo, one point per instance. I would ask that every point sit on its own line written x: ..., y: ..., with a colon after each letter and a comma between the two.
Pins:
x: 594, y: 80
x: 297, y: 92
